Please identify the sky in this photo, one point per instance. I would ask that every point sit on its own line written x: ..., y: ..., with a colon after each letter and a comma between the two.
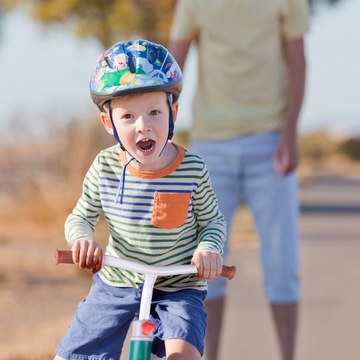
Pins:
x: 45, y: 75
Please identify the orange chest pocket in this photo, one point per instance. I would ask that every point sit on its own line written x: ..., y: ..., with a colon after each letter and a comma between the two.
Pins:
x: 170, y: 209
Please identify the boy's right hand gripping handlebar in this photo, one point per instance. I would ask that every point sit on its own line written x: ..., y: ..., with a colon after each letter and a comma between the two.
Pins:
x: 65, y: 257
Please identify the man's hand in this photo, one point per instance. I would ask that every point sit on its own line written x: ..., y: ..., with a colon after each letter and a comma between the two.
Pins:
x: 287, y: 155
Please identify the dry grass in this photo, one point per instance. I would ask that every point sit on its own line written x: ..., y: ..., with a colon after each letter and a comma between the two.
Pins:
x: 42, y: 180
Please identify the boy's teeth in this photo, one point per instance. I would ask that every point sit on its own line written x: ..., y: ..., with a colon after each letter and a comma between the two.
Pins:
x: 146, y: 144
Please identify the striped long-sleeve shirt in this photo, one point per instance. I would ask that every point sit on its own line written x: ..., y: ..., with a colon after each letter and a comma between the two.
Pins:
x: 165, y: 215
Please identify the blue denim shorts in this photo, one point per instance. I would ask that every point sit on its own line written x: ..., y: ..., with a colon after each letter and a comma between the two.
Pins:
x: 242, y: 169
x: 102, y: 321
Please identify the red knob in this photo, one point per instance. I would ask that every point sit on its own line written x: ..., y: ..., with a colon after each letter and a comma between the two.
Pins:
x: 147, y: 328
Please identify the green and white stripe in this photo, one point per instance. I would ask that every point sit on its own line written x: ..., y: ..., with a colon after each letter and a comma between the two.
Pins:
x: 132, y: 235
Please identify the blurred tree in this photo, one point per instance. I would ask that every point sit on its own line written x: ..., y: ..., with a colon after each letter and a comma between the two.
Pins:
x: 351, y: 148
x: 5, y: 5
x: 109, y: 20
x: 114, y: 20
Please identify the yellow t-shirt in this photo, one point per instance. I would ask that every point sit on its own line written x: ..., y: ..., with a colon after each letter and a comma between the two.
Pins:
x: 241, y: 73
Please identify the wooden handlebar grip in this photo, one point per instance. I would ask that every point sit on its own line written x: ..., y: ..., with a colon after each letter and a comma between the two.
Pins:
x: 228, y: 272
x: 63, y: 257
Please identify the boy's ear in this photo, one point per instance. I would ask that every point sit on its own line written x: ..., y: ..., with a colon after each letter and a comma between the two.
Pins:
x: 105, y: 119
x: 175, y: 109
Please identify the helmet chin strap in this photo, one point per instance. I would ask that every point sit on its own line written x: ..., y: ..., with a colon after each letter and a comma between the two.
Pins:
x: 171, y: 122
x: 119, y: 198
x: 115, y: 133
x: 120, y: 192
x: 171, y: 116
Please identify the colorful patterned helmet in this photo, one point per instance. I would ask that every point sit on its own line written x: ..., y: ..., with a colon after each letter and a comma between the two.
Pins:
x: 131, y: 67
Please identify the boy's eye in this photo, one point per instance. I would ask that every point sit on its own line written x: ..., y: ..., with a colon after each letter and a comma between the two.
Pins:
x: 154, y: 112
x: 127, y: 116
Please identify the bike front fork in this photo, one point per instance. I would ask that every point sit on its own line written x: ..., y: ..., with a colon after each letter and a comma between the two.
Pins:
x: 141, y: 340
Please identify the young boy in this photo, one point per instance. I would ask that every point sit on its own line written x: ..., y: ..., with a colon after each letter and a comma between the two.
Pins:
x: 159, y: 206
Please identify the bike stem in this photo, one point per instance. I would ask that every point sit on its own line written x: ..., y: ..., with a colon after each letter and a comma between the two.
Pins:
x: 146, y: 296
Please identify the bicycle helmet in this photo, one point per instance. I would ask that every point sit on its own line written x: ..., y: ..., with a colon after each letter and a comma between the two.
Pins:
x: 131, y: 67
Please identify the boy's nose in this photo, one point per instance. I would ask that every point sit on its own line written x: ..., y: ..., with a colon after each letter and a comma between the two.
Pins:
x: 143, y: 124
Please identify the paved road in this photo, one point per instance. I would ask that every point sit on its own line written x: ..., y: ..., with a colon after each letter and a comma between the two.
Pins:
x: 329, y: 327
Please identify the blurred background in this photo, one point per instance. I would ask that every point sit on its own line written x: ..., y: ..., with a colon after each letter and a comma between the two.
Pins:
x: 50, y: 133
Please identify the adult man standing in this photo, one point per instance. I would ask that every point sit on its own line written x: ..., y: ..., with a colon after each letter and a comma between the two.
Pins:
x: 251, y: 80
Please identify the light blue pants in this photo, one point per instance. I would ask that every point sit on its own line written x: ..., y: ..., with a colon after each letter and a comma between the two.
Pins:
x: 242, y: 168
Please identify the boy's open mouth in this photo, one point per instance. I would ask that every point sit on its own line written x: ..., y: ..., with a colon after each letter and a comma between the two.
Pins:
x: 146, y: 145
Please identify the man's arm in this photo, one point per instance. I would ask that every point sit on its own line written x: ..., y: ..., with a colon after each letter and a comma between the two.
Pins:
x: 179, y: 50
x: 287, y: 155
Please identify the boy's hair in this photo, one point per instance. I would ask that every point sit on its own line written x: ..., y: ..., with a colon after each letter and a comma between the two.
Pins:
x: 144, y: 67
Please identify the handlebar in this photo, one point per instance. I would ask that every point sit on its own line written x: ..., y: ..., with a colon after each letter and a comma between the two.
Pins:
x: 65, y: 257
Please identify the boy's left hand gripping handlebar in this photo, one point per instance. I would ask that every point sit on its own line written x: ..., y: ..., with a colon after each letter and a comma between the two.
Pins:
x: 65, y: 257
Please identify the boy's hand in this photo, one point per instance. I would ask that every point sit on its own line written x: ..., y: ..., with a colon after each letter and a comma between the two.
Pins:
x: 208, y: 264
x: 87, y: 254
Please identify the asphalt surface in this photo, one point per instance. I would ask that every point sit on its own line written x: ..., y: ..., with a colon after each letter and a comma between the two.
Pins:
x: 329, y: 319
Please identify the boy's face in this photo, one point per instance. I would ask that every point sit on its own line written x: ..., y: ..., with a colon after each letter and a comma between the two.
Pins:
x: 142, y: 123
